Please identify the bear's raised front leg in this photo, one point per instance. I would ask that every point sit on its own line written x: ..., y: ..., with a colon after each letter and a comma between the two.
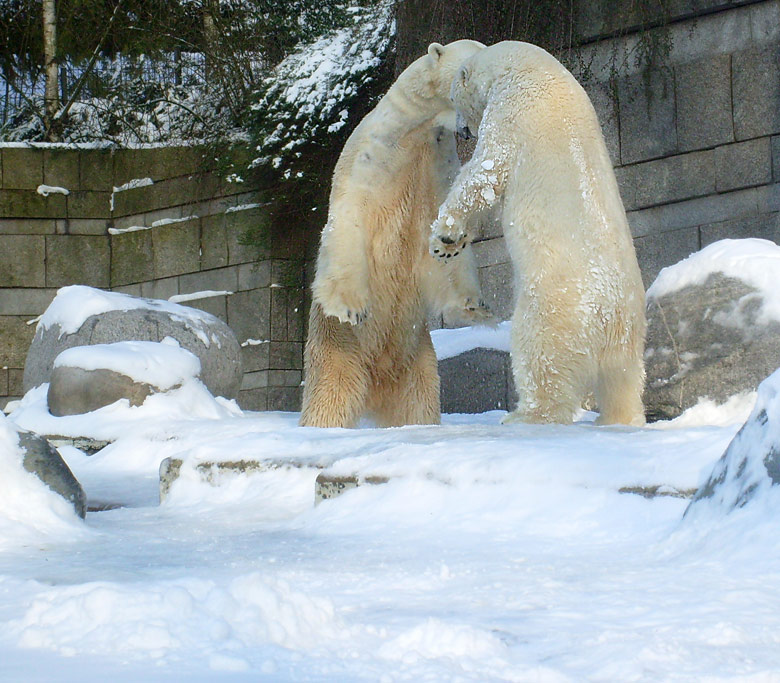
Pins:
x: 341, y: 285
x: 478, y: 186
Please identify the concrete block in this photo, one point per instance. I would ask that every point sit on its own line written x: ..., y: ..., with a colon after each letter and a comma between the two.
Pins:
x: 77, y: 259
x: 743, y: 164
x: 491, y: 252
x: 83, y: 204
x: 61, y: 168
x: 296, y: 310
x: 25, y: 301
x: 756, y: 92
x: 704, y: 103
x: 164, y: 288
x: 27, y: 226
x: 254, y: 380
x: 765, y: 23
x: 83, y: 226
x: 16, y: 335
x: 254, y: 275
x: 253, y: 399
x: 249, y: 314
x: 131, y: 258
x: 605, y: 102
x: 775, y: 162
x: 30, y: 204
x: 213, y: 242
x: 672, y: 179
x: 768, y: 198
x: 237, y: 223
x: 22, y: 260
x: 476, y: 381
x: 22, y: 168
x: 765, y: 226
x: 284, y: 398
x: 96, y: 168
x: 255, y: 356
x: 216, y: 305
x: 287, y: 273
x: 132, y: 164
x: 658, y: 251
x: 176, y: 248
x: 285, y: 355
x: 693, y: 212
x: 15, y: 381
x: 284, y: 378
x: 647, y: 117
x: 132, y: 290
x: 3, y: 382
x: 218, y: 280
x: 497, y: 283
x: 278, y: 313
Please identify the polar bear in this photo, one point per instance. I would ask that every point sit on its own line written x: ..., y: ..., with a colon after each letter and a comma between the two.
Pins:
x: 369, y: 349
x: 579, y: 320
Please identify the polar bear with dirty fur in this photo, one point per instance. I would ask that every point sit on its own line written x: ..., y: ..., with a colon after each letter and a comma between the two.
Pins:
x: 579, y: 321
x: 369, y: 349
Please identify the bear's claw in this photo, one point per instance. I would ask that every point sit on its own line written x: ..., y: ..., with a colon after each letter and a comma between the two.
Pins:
x: 444, y: 246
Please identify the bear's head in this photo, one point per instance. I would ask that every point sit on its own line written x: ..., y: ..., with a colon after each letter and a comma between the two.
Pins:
x: 429, y: 78
x: 509, y: 62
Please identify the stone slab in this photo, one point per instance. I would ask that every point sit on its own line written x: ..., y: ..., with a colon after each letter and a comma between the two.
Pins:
x: 704, y: 103
x: 30, y: 204
x: 176, y: 248
x: 131, y: 258
x: 22, y: 168
x: 477, y: 381
x: 756, y: 88
x: 743, y: 164
x: 77, y: 260
x: 61, y: 168
x: 25, y: 301
x: 249, y: 314
x: 657, y: 251
x: 22, y: 260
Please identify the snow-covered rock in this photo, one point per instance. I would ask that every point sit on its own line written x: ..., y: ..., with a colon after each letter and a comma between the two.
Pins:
x: 751, y: 464
x: 85, y: 378
x: 85, y: 316
x: 713, y: 325
x: 40, y: 496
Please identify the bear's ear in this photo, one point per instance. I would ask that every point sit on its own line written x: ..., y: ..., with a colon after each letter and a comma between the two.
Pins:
x: 436, y: 50
x: 463, y: 75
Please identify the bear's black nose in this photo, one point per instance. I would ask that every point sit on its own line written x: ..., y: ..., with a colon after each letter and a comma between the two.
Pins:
x: 447, y: 240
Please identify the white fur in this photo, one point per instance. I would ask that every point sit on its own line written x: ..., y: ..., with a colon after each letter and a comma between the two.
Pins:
x: 369, y: 348
x: 579, y: 322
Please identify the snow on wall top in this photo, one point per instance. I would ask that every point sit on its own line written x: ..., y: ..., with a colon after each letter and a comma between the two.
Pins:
x: 754, y: 261
x: 162, y: 364
x: 75, y: 303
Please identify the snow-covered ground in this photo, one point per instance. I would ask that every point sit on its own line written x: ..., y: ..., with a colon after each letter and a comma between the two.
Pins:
x: 494, y: 553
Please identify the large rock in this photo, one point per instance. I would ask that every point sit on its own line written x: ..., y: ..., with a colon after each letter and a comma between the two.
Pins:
x: 124, y: 318
x: 751, y: 464
x: 73, y: 391
x: 43, y: 460
x: 476, y: 381
x: 707, y: 340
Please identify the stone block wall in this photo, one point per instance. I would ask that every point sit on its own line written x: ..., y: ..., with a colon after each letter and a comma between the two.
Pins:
x: 174, y: 231
x: 696, y: 144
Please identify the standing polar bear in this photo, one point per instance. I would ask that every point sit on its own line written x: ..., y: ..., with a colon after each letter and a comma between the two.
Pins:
x: 369, y: 349
x: 579, y: 322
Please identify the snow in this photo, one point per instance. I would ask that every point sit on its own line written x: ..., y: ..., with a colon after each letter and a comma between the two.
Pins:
x: 46, y: 190
x: 162, y: 364
x: 195, y: 296
x: 452, y: 342
x: 754, y: 261
x: 493, y: 553
x: 74, y: 304
x: 29, y: 511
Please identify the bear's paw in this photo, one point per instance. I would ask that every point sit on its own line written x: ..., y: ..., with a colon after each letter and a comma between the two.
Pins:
x: 340, y: 300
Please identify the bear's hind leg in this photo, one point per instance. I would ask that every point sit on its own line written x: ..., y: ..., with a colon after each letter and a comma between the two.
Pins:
x: 337, y: 377
x: 414, y: 397
x: 619, y: 392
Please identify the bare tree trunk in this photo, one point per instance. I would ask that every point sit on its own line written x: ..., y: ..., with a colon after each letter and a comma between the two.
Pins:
x: 211, y: 37
x: 51, y: 97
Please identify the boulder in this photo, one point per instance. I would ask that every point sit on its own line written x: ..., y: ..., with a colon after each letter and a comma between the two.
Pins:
x: 85, y: 378
x: 751, y: 464
x: 73, y: 391
x: 43, y: 460
x: 108, y: 317
x: 476, y: 381
x: 707, y: 340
